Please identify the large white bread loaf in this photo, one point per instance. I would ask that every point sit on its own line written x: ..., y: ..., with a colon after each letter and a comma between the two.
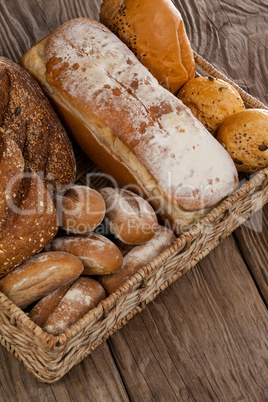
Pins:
x: 129, y: 125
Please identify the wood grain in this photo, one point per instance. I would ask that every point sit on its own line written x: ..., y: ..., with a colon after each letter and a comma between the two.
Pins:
x: 252, y: 239
x: 95, y: 379
x: 205, y: 338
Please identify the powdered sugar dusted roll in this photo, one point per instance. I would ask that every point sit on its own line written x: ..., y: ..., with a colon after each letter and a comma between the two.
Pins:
x: 137, y: 258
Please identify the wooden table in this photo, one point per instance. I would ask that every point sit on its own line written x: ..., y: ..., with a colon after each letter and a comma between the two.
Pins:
x: 205, y: 337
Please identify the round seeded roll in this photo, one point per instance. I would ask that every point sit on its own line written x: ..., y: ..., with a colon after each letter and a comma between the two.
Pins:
x: 211, y: 100
x: 98, y: 254
x: 245, y: 136
x: 80, y: 210
x: 128, y: 216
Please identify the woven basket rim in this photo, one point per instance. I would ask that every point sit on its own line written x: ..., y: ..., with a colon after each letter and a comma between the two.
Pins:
x: 180, y: 244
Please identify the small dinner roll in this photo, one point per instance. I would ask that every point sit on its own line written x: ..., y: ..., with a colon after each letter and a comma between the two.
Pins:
x: 45, y: 306
x: 211, y: 100
x: 137, y: 258
x: 245, y: 136
x: 39, y: 276
x: 98, y: 254
x: 80, y: 210
x: 58, y: 311
x: 128, y: 216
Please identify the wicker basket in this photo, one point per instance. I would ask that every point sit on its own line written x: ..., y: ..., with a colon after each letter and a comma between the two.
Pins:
x: 49, y: 357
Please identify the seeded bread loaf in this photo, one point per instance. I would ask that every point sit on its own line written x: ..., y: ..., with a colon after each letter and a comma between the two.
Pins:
x: 28, y: 118
x: 28, y: 219
x: 211, y: 101
x: 245, y: 136
x: 154, y: 31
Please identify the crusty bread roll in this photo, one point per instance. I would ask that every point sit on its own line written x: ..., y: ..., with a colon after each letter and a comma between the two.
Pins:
x: 154, y: 31
x: 28, y: 219
x: 211, y: 100
x: 129, y: 125
x: 128, y: 216
x: 45, y: 306
x: 58, y: 311
x: 98, y: 254
x: 137, y: 258
x: 245, y: 136
x: 80, y: 210
x: 27, y: 116
x: 40, y: 275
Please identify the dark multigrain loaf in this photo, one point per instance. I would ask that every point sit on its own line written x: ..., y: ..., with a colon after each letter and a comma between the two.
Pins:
x: 28, y: 219
x: 27, y: 116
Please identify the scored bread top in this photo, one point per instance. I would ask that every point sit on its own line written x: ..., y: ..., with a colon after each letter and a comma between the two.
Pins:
x: 86, y: 68
x: 98, y: 75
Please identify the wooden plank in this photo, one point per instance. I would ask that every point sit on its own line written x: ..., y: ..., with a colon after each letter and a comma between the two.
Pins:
x: 94, y: 379
x: 204, y: 338
x: 252, y: 239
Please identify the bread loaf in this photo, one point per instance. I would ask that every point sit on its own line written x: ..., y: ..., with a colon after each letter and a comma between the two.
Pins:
x: 80, y: 210
x: 40, y: 275
x: 28, y: 118
x: 137, y: 258
x: 68, y: 306
x: 28, y: 219
x: 128, y: 216
x: 98, y: 254
x: 154, y: 31
x: 130, y: 126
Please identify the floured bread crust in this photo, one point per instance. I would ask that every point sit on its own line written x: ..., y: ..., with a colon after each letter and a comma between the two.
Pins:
x: 90, y: 72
